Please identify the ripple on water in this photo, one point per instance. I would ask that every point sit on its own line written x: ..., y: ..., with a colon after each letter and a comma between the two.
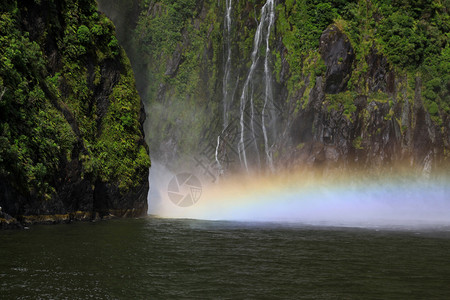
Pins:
x: 162, y: 258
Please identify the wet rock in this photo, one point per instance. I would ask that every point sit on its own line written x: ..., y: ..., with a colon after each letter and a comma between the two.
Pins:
x: 109, y: 200
x: 379, y: 75
x: 338, y: 55
x: 174, y: 63
x: 8, y: 222
x: 332, y: 154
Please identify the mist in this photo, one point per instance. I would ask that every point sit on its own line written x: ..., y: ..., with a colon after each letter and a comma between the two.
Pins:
x: 306, y: 198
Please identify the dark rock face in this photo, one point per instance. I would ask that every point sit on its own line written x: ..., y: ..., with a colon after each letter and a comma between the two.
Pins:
x: 380, y: 76
x: 337, y: 52
x: 8, y: 204
x: 372, y: 136
x: 380, y: 122
x: 109, y: 200
x: 8, y: 222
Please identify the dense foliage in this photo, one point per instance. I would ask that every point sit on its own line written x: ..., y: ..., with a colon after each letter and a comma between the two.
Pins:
x: 412, y: 35
x: 61, y: 100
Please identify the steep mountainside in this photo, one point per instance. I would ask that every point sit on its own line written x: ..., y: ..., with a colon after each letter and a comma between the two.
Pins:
x: 267, y: 84
x: 72, y: 143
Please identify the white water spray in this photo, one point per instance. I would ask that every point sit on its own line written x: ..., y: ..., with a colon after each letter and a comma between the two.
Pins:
x: 159, y: 177
x: 373, y: 203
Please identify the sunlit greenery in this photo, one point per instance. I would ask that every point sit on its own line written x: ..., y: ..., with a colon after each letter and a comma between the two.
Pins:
x: 412, y: 35
x: 40, y: 93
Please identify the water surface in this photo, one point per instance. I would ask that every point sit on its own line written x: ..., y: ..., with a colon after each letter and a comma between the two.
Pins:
x: 156, y: 258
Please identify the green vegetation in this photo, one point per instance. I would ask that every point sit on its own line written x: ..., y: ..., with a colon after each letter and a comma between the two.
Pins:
x: 181, y: 46
x: 180, y: 42
x: 413, y: 36
x: 357, y: 143
x: 343, y: 102
x: 51, y: 106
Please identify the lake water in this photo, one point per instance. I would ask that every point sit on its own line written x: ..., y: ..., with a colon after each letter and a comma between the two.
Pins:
x: 155, y: 258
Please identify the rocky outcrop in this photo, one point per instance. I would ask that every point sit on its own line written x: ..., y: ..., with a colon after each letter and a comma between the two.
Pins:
x: 8, y: 222
x: 338, y: 55
x: 380, y: 76
x: 78, y: 152
x: 378, y: 132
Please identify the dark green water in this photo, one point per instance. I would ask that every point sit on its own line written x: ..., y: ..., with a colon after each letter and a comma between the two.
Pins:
x: 159, y: 259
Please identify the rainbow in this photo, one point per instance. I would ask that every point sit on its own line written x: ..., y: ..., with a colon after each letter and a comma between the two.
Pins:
x: 306, y: 198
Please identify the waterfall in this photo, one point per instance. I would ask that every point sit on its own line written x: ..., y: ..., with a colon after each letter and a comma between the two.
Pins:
x: 268, y: 95
x: 226, y: 77
x: 252, y: 125
x: 265, y: 23
x: 227, y: 66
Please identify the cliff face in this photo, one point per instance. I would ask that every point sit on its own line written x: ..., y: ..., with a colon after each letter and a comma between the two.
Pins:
x: 72, y: 143
x: 386, y: 125
x: 363, y: 82
x: 383, y: 98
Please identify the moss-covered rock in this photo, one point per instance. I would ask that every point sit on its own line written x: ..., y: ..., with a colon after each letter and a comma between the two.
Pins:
x: 70, y: 116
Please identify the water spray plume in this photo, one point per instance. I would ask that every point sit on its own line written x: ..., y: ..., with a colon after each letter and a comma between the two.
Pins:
x: 323, y: 197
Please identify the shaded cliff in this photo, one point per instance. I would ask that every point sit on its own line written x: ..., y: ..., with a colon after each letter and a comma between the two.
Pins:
x: 72, y: 143
x: 352, y: 82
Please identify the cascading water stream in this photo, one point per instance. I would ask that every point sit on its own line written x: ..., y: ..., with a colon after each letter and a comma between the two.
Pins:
x: 268, y: 96
x: 267, y: 18
x: 252, y: 124
x: 262, y: 34
x: 227, y: 67
x: 226, y: 76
